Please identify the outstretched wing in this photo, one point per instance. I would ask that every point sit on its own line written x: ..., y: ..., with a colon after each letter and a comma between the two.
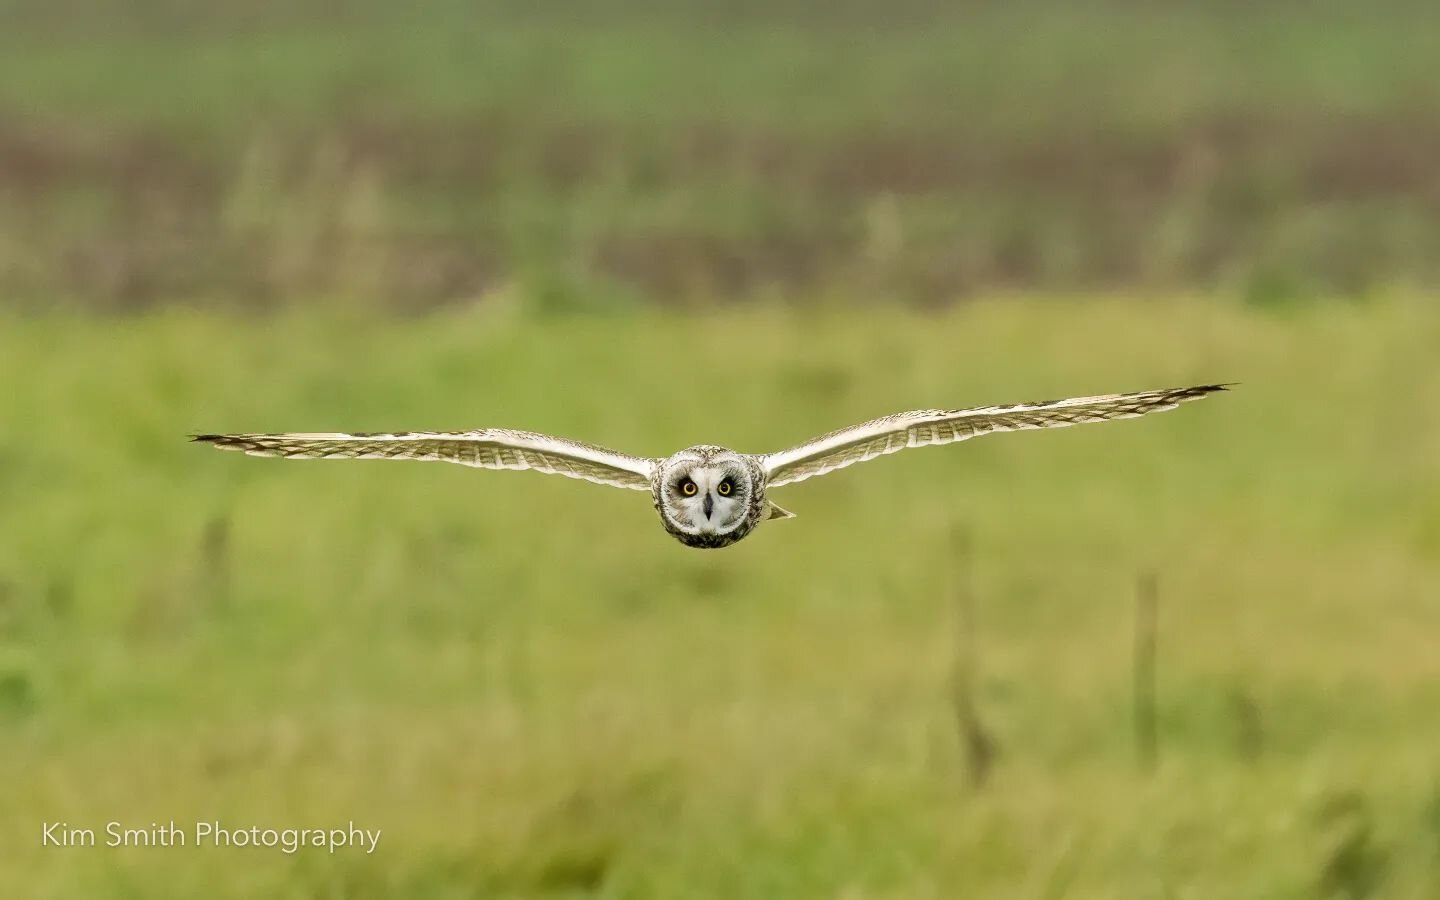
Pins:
x: 925, y: 427
x: 489, y: 448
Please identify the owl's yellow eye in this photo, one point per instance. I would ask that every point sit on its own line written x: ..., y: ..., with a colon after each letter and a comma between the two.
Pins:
x: 688, y: 488
x: 724, y: 488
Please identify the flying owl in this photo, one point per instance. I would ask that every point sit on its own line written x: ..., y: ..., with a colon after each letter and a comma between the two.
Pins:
x: 709, y: 496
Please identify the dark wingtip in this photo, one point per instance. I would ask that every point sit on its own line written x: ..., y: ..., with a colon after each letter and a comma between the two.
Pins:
x: 204, y: 438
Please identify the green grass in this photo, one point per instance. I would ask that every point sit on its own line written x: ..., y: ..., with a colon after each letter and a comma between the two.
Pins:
x: 991, y: 67
x: 535, y: 692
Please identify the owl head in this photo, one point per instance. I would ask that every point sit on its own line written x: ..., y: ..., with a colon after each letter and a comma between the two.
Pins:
x: 706, y: 495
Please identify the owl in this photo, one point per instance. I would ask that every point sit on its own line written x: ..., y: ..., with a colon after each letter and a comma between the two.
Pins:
x: 709, y: 496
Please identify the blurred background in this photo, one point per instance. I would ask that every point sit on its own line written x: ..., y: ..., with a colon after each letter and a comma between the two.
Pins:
x: 1193, y: 656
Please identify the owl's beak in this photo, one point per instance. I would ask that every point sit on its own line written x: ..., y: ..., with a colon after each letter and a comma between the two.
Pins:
x: 709, y: 504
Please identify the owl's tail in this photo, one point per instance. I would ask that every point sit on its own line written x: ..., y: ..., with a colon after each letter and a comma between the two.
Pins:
x: 778, y: 512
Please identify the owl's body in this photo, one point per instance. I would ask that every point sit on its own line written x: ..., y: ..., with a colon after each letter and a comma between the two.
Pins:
x: 709, y: 496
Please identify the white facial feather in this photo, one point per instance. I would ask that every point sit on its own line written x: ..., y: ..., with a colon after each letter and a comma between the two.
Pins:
x: 708, y: 510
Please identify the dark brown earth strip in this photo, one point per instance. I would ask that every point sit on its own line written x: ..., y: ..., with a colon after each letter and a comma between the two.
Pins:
x: 420, y: 213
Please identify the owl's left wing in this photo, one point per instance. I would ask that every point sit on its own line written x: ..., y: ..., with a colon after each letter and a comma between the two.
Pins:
x: 487, y: 448
x: 923, y: 428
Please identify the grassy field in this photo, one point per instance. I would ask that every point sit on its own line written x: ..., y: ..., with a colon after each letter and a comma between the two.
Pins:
x: 255, y: 152
x: 534, y: 692
x: 314, y: 215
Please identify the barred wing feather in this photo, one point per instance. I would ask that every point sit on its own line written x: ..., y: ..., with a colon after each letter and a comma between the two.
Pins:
x: 923, y: 428
x: 490, y: 448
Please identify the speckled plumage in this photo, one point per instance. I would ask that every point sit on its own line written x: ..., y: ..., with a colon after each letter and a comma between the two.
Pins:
x: 729, y: 498
x: 751, y: 507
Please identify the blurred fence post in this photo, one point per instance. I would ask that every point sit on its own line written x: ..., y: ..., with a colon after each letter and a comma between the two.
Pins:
x: 1249, y: 730
x: 1147, y: 599
x: 215, y: 561
x: 976, y: 742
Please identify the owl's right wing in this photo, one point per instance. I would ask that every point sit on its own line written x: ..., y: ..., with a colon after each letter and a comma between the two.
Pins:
x: 926, y: 427
x: 487, y: 448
